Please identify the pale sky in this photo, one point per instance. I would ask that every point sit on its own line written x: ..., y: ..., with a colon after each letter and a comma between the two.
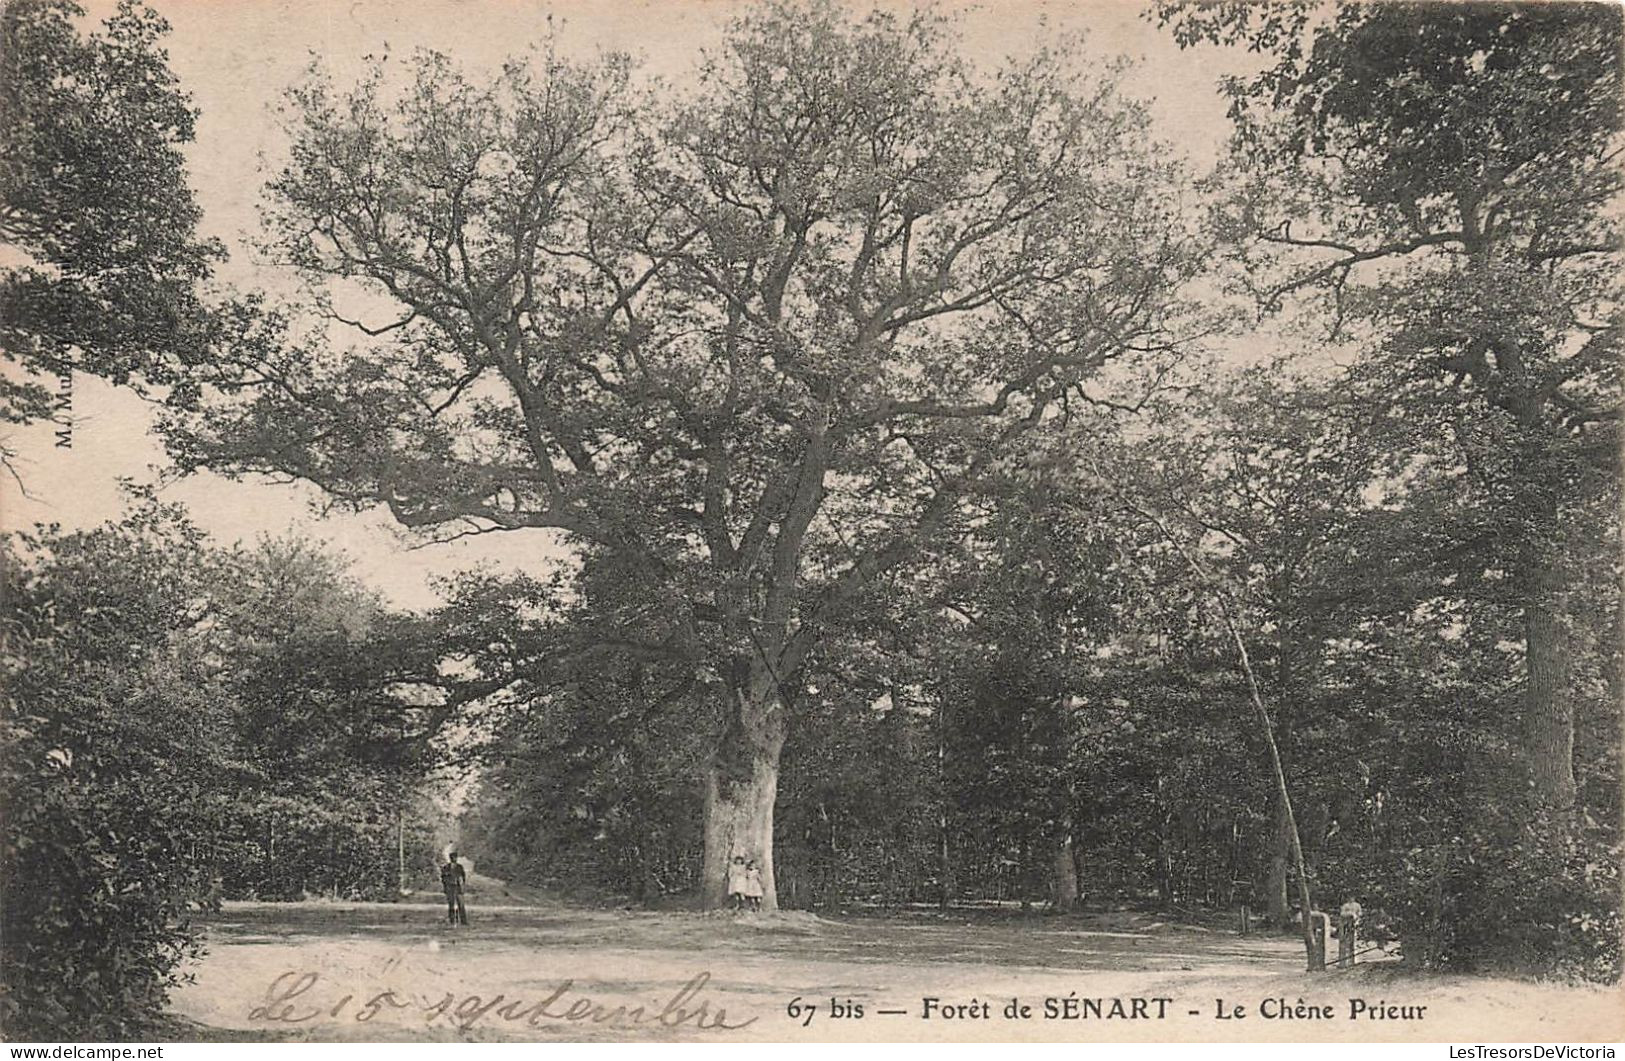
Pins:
x: 237, y: 56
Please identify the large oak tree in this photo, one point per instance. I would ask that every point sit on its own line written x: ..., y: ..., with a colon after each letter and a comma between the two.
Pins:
x: 749, y: 345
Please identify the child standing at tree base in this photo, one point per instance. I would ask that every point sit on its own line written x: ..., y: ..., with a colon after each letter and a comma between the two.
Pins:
x: 753, y: 885
x: 736, y: 882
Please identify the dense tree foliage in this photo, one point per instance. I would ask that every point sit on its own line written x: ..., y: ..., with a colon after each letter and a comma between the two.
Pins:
x: 1443, y: 180
x: 1053, y: 705
x: 183, y: 723
x: 1440, y: 186
x: 754, y: 346
x: 111, y: 727
x: 95, y: 204
x: 911, y: 550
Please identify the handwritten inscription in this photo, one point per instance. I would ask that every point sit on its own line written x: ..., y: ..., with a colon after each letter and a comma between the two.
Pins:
x: 293, y: 998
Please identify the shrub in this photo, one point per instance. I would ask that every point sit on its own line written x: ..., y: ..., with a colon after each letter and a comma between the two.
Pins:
x: 1540, y: 897
x: 93, y: 911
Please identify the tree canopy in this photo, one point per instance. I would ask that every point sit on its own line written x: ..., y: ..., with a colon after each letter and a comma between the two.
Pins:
x: 1442, y: 180
x: 754, y: 345
x: 95, y: 201
x: 913, y: 512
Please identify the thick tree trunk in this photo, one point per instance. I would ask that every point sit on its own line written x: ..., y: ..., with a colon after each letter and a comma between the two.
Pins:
x: 1548, y: 723
x: 741, y: 785
x: 739, y: 821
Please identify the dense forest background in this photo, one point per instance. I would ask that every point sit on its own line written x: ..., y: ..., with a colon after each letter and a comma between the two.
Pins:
x: 967, y: 503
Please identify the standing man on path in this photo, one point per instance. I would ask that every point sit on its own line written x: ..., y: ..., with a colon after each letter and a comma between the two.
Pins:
x: 452, y: 877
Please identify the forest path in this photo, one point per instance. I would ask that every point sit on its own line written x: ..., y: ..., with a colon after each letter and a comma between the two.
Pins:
x: 377, y: 971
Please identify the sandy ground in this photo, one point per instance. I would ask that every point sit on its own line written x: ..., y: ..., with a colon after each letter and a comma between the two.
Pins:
x: 527, y: 969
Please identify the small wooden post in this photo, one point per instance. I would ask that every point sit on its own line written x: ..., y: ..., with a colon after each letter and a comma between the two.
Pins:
x: 1348, y: 926
x: 1321, y: 929
x: 1245, y: 919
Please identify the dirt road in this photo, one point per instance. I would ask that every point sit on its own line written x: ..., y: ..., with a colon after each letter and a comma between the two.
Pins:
x: 536, y: 971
